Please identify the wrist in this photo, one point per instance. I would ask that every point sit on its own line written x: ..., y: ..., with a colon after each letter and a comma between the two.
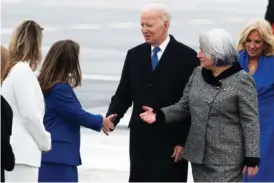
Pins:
x: 159, y: 116
x: 251, y: 161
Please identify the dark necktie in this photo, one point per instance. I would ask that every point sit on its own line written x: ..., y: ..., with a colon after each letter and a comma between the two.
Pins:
x: 154, y: 58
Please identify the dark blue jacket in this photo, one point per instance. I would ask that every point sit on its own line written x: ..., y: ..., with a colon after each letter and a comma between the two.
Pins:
x: 63, y: 119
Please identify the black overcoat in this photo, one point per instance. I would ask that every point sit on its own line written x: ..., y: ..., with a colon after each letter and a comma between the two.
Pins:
x: 151, y: 146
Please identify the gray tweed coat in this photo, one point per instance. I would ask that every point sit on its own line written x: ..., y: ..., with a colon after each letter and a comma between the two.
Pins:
x: 224, y: 119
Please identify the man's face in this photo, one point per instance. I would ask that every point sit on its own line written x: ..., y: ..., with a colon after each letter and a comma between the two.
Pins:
x: 154, y: 28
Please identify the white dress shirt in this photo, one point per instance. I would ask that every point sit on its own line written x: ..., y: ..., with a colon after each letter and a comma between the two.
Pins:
x: 162, y: 47
x: 23, y: 93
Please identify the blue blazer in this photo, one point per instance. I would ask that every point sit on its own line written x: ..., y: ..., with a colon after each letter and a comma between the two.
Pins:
x: 63, y: 118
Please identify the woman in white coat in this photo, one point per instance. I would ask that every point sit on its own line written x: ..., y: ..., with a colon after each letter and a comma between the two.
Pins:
x: 22, y: 91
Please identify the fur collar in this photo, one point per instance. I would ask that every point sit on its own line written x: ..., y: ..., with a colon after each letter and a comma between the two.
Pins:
x: 214, y: 81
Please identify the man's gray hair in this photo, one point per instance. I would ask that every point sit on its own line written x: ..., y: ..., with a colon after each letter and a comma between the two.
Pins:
x: 219, y: 45
x: 162, y: 9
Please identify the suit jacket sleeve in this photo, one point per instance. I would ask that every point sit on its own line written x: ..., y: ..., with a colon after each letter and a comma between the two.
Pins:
x: 269, y: 15
x: 122, y: 99
x: 32, y: 107
x: 64, y: 103
x: 180, y: 110
x: 183, y: 127
x: 7, y: 156
x: 248, y: 110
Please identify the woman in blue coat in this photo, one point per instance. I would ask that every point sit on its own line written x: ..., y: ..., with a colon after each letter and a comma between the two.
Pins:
x: 256, y: 46
x: 64, y: 115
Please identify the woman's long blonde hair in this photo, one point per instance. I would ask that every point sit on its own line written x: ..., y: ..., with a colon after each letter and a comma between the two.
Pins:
x: 26, y: 44
x: 265, y: 30
x: 4, y: 62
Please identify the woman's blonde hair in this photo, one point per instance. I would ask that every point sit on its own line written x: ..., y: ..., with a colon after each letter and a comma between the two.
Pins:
x: 266, y: 32
x: 4, y: 62
x: 26, y: 44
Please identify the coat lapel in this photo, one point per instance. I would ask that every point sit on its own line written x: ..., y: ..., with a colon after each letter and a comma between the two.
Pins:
x: 146, y: 61
x: 166, y: 57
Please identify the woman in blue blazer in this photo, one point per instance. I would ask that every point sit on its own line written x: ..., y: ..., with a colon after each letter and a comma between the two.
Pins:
x: 64, y: 115
x: 256, y: 56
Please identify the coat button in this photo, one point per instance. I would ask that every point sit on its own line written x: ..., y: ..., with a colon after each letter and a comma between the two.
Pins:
x: 149, y: 84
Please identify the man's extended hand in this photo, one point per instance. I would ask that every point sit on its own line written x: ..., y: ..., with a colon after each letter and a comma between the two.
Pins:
x: 108, y: 123
x: 177, y: 153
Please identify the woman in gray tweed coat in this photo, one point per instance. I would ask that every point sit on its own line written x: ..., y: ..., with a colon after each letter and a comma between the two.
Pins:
x: 223, y: 140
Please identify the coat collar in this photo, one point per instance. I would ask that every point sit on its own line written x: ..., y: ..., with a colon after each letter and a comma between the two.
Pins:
x: 166, y: 54
x: 215, y: 81
x: 170, y: 40
x: 163, y: 45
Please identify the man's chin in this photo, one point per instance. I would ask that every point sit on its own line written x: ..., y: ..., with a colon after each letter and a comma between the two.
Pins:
x: 148, y: 41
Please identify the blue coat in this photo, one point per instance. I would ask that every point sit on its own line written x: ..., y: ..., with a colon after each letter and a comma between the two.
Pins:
x: 264, y: 79
x: 63, y: 118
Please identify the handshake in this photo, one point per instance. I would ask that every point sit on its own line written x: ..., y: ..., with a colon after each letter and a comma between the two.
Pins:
x: 108, y: 123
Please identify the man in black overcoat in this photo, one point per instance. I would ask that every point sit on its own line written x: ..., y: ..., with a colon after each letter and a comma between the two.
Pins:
x: 155, y: 74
